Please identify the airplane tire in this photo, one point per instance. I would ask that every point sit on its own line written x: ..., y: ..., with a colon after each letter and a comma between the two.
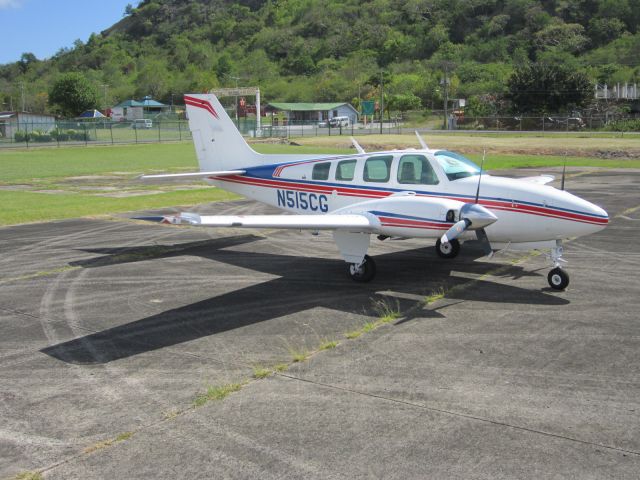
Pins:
x: 448, y: 250
x: 365, y: 272
x: 558, y: 279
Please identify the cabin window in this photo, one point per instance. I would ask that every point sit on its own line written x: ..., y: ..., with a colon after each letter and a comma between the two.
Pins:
x: 377, y: 169
x: 416, y: 170
x: 346, y: 170
x: 321, y: 171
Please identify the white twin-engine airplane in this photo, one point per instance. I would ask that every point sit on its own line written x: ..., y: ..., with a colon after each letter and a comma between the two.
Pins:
x: 422, y: 193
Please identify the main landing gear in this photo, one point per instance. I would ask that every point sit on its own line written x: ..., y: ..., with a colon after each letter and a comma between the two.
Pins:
x: 558, y: 278
x: 448, y: 250
x: 363, y: 272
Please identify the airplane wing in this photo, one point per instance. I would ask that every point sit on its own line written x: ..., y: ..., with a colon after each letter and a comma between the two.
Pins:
x: 221, y: 173
x: 539, y: 180
x: 360, y: 223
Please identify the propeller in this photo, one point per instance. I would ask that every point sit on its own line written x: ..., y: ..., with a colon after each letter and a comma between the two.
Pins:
x: 473, y: 216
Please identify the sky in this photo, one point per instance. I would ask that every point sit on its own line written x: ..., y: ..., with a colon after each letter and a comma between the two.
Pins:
x: 43, y: 27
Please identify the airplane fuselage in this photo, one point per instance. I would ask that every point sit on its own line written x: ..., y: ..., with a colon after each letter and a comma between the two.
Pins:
x: 528, y: 212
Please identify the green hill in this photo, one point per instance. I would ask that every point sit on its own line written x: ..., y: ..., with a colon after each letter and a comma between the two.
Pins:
x: 327, y: 50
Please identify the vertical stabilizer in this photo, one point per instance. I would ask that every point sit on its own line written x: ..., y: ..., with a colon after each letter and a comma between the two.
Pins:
x: 219, y: 145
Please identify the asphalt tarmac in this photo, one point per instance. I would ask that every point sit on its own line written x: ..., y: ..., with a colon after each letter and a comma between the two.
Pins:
x: 111, y: 329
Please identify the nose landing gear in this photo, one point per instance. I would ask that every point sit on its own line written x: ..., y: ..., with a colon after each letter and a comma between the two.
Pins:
x: 558, y: 279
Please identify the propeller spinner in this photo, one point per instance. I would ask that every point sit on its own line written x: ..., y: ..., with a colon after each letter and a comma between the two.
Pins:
x: 472, y: 217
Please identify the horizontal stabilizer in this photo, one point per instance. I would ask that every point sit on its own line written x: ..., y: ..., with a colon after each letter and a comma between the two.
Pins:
x: 222, y: 173
x: 358, y: 223
x: 539, y: 180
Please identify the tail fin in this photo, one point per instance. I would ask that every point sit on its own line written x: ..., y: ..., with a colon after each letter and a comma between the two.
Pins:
x: 219, y: 145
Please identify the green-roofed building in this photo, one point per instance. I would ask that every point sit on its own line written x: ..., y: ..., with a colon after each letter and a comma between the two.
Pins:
x: 314, y: 113
x: 134, y: 110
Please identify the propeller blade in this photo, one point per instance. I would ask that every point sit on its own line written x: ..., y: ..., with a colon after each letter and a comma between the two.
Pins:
x: 481, y: 235
x: 472, y: 217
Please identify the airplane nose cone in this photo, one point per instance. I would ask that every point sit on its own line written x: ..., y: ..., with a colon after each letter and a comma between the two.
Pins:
x: 600, y: 215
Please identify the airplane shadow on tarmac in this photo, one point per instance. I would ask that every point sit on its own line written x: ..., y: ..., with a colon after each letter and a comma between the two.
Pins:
x: 303, y: 283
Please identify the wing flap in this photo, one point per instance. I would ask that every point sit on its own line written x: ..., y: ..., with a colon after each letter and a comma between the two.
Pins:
x: 296, y: 222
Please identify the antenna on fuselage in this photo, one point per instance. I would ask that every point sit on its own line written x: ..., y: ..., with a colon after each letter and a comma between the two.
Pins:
x: 423, y: 144
x: 564, y: 169
x: 357, y: 145
x: 484, y: 152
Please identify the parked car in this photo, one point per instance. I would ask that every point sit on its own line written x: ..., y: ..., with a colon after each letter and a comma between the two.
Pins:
x: 142, y: 123
x: 339, y: 122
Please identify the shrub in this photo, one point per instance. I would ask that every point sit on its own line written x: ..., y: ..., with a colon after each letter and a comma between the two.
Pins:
x: 629, y: 125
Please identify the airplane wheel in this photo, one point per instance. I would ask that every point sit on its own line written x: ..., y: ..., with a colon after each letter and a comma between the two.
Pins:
x: 558, y: 279
x: 448, y: 250
x: 364, y: 272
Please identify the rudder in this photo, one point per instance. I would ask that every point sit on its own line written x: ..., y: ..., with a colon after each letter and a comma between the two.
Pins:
x: 218, y: 143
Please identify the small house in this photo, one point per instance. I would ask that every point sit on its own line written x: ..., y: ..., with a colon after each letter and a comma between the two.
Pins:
x: 12, y: 122
x: 313, y: 113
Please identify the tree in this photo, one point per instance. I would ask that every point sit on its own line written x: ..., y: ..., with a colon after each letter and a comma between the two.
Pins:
x: 403, y: 102
x: 72, y: 94
x: 547, y: 88
x: 26, y: 60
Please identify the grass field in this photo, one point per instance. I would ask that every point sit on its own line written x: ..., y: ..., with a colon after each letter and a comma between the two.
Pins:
x: 56, y: 183
x: 576, y: 145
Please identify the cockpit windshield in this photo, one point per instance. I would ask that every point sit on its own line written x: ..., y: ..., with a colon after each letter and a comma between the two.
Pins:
x: 456, y: 166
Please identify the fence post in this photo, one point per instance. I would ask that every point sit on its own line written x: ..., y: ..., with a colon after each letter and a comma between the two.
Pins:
x: 543, y: 124
x: 111, y: 132
x: 135, y: 130
x: 180, y: 129
x: 159, y: 138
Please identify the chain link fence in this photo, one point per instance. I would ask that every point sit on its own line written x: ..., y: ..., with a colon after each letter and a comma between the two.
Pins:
x: 62, y: 133
x: 553, y: 123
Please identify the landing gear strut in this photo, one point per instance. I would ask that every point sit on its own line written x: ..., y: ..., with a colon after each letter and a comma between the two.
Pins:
x: 558, y: 279
x: 449, y: 249
x: 363, y: 272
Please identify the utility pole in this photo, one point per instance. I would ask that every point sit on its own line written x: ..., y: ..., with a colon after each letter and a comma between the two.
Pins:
x: 381, y: 100
x: 23, y: 99
x: 105, y: 86
x: 236, y: 79
x: 446, y: 96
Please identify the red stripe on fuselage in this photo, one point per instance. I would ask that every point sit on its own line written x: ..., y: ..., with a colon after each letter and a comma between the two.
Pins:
x: 364, y: 193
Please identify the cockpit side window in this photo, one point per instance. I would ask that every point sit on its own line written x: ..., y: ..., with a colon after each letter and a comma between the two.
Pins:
x: 321, y: 171
x: 416, y: 170
x: 378, y: 169
x: 456, y: 166
x: 346, y: 170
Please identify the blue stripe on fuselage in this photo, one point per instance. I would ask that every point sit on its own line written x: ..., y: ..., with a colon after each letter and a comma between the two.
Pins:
x: 266, y: 172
